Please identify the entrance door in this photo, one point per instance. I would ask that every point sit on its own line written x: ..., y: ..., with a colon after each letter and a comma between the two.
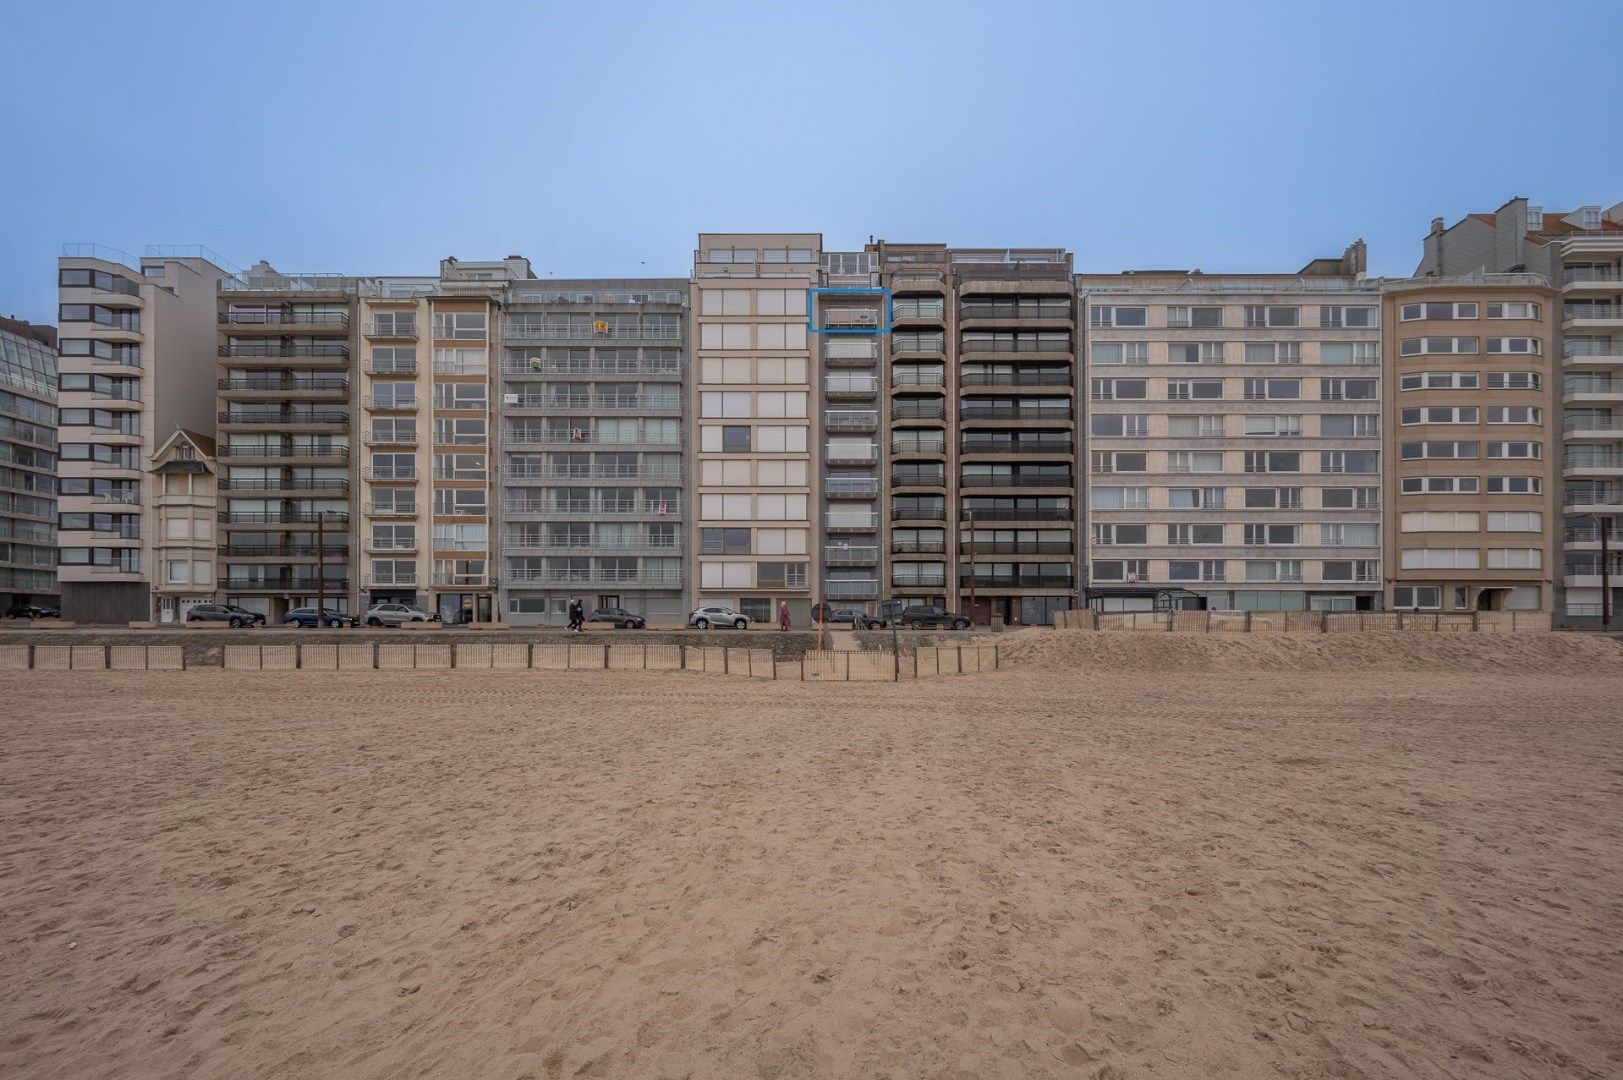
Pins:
x: 450, y: 608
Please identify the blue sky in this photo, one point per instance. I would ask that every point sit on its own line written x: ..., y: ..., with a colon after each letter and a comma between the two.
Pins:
x: 599, y: 139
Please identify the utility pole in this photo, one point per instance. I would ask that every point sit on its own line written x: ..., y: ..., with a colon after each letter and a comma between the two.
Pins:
x: 321, y: 566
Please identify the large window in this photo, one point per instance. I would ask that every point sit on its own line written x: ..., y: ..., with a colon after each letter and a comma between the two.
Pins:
x: 459, y: 325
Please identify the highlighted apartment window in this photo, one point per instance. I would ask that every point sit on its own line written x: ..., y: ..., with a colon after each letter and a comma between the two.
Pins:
x: 850, y: 310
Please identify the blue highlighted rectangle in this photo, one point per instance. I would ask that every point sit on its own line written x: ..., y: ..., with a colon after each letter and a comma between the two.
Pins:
x: 855, y: 290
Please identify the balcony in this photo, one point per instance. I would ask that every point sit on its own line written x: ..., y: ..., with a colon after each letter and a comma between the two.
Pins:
x: 659, y: 406
x: 926, y: 380
x: 915, y: 512
x: 851, y: 455
x: 390, y: 474
x: 927, y: 409
x: 521, y: 439
x: 852, y: 318
x: 1601, y: 428
x: 918, y: 344
x: 663, y: 511
x: 977, y: 413
x: 1034, y: 513
x: 850, y: 387
x: 851, y: 420
x: 286, y: 321
x: 337, y: 455
x: 392, y: 330
x: 383, y: 437
x: 1017, y: 581
x: 1016, y: 378
x: 292, y: 485
x: 1579, y: 389
x: 1592, y: 462
x: 1045, y: 480
x: 850, y: 487
x: 589, y: 473
x: 391, y: 404
x: 279, y: 551
x: 930, y: 310
x: 837, y: 555
x: 848, y: 521
x: 919, y: 479
x: 517, y: 330
x: 290, y: 583
x: 1593, y: 499
x: 250, y: 389
x: 324, y: 356
x: 390, y: 510
x: 1598, y: 315
x: 1016, y: 547
x: 1609, y: 278
x: 283, y: 517
x: 390, y: 367
x: 389, y: 547
x: 588, y: 579
x: 851, y: 588
x: 289, y: 421
x: 929, y: 447
x: 539, y: 367
x: 648, y: 545
x: 850, y: 353
x: 933, y: 583
x: 392, y: 581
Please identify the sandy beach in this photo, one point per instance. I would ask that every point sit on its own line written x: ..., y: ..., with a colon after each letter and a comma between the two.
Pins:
x: 1122, y: 857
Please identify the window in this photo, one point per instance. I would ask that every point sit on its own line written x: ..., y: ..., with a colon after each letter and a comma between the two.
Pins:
x: 1273, y: 389
x: 1111, y: 534
x: 1264, y: 535
x: 1515, y: 485
x: 459, y: 325
x: 458, y: 395
x: 1440, y: 414
x: 1122, y: 352
x: 1259, y: 315
x: 1120, y: 389
x: 1520, y: 310
x: 461, y: 502
x: 1121, y: 569
x: 1440, y: 521
x: 1349, y: 425
x: 460, y: 467
x: 461, y: 537
x: 1195, y: 498
x: 1413, y: 312
x: 1106, y: 426
x: 1194, y: 425
x: 1347, y: 316
x: 394, y: 395
x: 1440, y: 558
x: 1194, y: 316
x: 1353, y: 534
x: 1515, y: 559
x: 1428, y: 346
x: 1515, y: 414
x: 1515, y: 521
x: 394, y: 324
x: 1273, y: 570
x: 1347, y: 389
x: 1203, y: 461
x: 1195, y: 570
x: 1531, y: 451
x: 1515, y: 380
x: 449, y: 432
x: 1118, y: 316
x: 1525, y: 346
x: 1188, y: 352
x: 1350, y: 498
x: 1351, y: 570
x: 1108, y: 461
x: 1409, y: 597
x: 1180, y: 535
x: 735, y: 439
x: 1280, y: 352
x: 1273, y: 425
x: 1442, y: 485
x: 1272, y: 461
x: 1349, y: 461
x: 460, y: 362
x: 1438, y: 380
x: 1350, y: 352
x: 1120, y: 498
x: 1282, y: 498
x: 1415, y: 451
x: 1194, y: 389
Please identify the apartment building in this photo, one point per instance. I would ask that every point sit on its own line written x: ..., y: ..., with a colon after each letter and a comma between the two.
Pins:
x: 755, y: 462
x: 849, y: 317
x: 284, y: 437
x: 27, y: 465
x: 430, y: 521
x: 980, y: 417
x: 136, y: 343
x: 184, y: 548
x: 592, y: 473
x: 1234, y: 438
x: 1578, y: 253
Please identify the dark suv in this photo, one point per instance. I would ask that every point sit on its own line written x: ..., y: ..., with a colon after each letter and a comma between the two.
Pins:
x: 305, y: 618
x: 226, y: 613
x: 928, y: 616
x: 859, y: 620
x: 620, y: 617
x: 32, y: 611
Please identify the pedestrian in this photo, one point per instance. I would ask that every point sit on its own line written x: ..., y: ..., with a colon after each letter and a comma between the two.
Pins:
x: 783, y: 615
x: 576, y: 619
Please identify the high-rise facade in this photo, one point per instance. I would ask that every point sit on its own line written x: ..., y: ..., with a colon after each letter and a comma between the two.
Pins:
x: 136, y: 342
x: 28, y: 465
x: 1570, y: 263
x: 285, y: 428
x: 592, y: 471
x: 1234, y: 438
x: 756, y: 463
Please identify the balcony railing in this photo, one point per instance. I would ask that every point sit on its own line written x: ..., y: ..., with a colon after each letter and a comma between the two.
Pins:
x: 390, y: 581
x: 655, y: 545
x: 850, y: 385
x: 1034, y: 513
x: 1018, y: 378
x: 918, y: 446
x: 851, y: 419
x: 521, y: 331
x: 336, y: 352
x: 652, y: 405
x: 648, y: 578
x: 578, y: 437
x: 588, y: 368
x: 587, y: 511
x: 391, y: 404
x: 286, y: 584
x: 851, y: 522
x: 1592, y: 273
x: 1593, y: 423
x: 391, y: 510
x: 399, y: 331
x: 284, y: 318
x: 226, y: 483
x: 590, y: 472
x: 919, y: 479
x: 851, y: 588
x: 1012, y: 412
x: 1017, y: 581
x: 1016, y: 480
x: 318, y: 416
x: 1015, y: 547
x: 850, y: 486
x: 1592, y: 311
x: 390, y: 473
x: 279, y: 551
x: 337, y: 453
x: 850, y: 556
x: 296, y: 385
x: 917, y: 378
x: 383, y: 437
x: 276, y: 517
x: 914, y: 512
x: 924, y: 410
x: 855, y: 455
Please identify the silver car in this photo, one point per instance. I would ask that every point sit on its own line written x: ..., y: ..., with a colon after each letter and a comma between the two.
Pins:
x: 391, y: 614
x: 718, y: 615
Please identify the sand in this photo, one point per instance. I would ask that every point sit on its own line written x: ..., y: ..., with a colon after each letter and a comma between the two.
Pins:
x: 1127, y: 869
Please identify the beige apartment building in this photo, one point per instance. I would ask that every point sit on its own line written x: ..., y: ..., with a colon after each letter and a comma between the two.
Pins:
x: 1234, y: 438
x: 185, y: 506
x: 137, y: 344
x: 755, y: 462
x: 1579, y: 255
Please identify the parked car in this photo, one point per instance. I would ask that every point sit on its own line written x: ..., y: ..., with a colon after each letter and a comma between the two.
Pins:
x: 859, y: 620
x: 620, y: 617
x: 889, y: 611
x: 32, y: 611
x: 706, y: 617
x: 929, y: 616
x: 393, y: 614
x: 226, y: 613
x: 305, y: 617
